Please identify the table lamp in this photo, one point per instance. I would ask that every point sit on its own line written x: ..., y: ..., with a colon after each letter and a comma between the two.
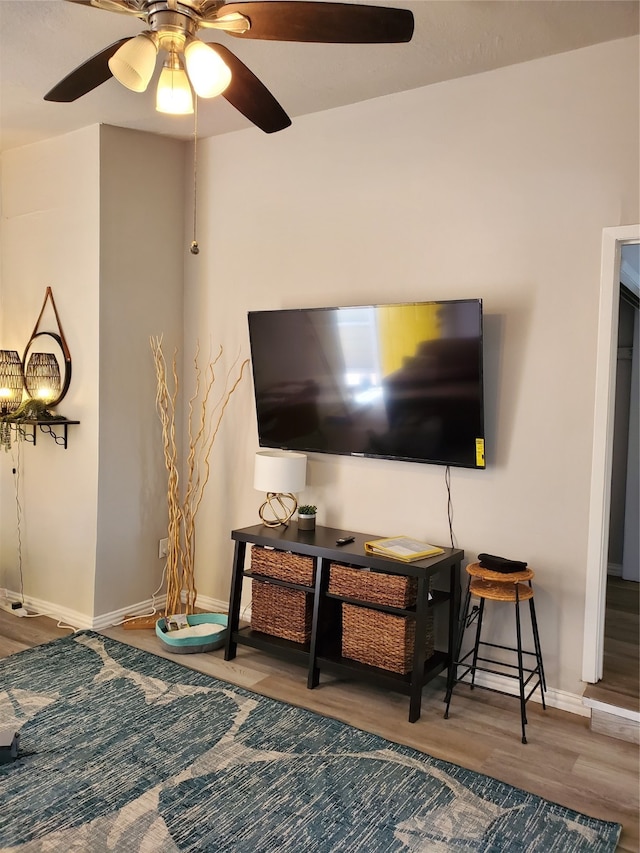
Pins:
x: 279, y: 474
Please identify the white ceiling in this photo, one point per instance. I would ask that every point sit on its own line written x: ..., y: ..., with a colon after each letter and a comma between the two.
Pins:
x: 42, y: 40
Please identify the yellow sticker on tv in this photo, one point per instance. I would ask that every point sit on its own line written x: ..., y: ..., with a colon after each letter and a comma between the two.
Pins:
x: 480, y: 452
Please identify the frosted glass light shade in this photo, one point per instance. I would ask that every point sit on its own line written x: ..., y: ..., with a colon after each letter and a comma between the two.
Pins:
x: 279, y: 471
x: 174, y: 91
x: 208, y: 72
x: 133, y: 64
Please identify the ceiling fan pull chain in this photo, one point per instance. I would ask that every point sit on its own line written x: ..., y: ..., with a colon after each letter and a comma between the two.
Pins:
x: 194, y: 243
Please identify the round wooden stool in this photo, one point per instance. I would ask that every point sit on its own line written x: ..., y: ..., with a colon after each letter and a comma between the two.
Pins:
x: 514, y: 587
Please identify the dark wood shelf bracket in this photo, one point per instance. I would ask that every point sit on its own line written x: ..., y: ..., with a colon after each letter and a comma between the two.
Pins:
x: 55, y: 427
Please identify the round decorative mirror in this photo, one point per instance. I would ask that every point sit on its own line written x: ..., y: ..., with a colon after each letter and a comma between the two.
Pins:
x: 46, y: 365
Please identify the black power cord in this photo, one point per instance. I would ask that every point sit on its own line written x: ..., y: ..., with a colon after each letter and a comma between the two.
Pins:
x: 16, y: 473
x: 447, y: 481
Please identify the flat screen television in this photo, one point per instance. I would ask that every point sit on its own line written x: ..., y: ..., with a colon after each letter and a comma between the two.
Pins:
x: 399, y: 381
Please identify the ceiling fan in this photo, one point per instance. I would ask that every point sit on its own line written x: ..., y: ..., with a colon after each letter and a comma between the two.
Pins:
x: 212, y: 69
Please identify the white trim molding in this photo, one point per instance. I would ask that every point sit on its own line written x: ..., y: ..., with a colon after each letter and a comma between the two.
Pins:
x: 80, y: 621
x: 601, y: 460
x: 560, y: 699
x: 614, y: 710
x: 66, y: 618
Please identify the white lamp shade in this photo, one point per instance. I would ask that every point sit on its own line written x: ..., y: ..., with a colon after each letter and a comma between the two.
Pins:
x: 279, y: 471
x: 133, y: 64
x: 208, y: 72
x: 174, y: 91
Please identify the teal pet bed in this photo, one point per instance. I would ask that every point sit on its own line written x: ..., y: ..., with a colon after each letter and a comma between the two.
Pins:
x: 203, y: 632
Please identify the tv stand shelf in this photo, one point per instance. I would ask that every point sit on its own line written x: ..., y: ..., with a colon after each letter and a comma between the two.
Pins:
x: 438, y: 597
x: 277, y: 582
x: 400, y: 683
x: 323, y: 651
x: 279, y: 646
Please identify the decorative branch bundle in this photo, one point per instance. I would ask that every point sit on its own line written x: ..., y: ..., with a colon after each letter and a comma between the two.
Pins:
x: 204, y: 419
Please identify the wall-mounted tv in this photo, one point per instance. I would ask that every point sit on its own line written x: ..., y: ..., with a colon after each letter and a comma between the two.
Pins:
x: 399, y: 381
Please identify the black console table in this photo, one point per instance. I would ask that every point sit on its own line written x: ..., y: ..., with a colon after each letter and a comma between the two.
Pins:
x: 322, y: 652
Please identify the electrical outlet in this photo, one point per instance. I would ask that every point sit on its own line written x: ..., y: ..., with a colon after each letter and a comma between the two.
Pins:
x: 163, y: 549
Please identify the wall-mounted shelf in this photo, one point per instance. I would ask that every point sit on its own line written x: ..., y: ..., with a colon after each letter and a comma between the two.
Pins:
x: 55, y: 427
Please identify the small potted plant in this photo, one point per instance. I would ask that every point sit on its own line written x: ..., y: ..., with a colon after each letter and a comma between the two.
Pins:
x: 307, y: 517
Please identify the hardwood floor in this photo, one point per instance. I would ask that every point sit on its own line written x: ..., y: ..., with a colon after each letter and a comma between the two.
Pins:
x: 620, y: 683
x: 19, y: 633
x: 563, y: 761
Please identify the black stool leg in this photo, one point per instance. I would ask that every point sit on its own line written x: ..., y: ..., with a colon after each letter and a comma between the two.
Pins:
x: 477, y: 644
x: 523, y: 711
x: 538, y: 648
x: 451, y: 682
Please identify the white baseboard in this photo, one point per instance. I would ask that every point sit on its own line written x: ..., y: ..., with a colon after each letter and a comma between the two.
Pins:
x: 65, y: 617
x: 212, y: 605
x: 554, y: 698
x: 559, y: 699
x: 80, y: 621
x: 116, y: 617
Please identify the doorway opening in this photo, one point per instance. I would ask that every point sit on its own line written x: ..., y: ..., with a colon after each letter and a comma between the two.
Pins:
x: 613, y: 240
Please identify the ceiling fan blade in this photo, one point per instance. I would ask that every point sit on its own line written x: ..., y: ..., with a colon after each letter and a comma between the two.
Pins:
x: 340, y: 23
x: 85, y: 77
x: 250, y: 96
x: 128, y: 7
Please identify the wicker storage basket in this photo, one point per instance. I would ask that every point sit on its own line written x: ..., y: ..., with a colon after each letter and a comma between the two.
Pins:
x: 281, y: 612
x: 382, y: 639
x: 282, y: 565
x: 375, y: 587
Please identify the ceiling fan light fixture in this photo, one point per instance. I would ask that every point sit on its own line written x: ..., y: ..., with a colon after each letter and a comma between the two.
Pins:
x: 134, y: 63
x: 174, y: 94
x: 208, y: 72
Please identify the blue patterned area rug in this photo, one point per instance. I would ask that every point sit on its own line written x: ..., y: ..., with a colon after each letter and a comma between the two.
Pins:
x: 125, y: 751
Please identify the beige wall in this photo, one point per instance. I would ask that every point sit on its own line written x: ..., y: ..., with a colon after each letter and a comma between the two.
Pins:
x: 83, y: 213
x: 494, y: 186
x: 141, y: 289
x: 50, y: 237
